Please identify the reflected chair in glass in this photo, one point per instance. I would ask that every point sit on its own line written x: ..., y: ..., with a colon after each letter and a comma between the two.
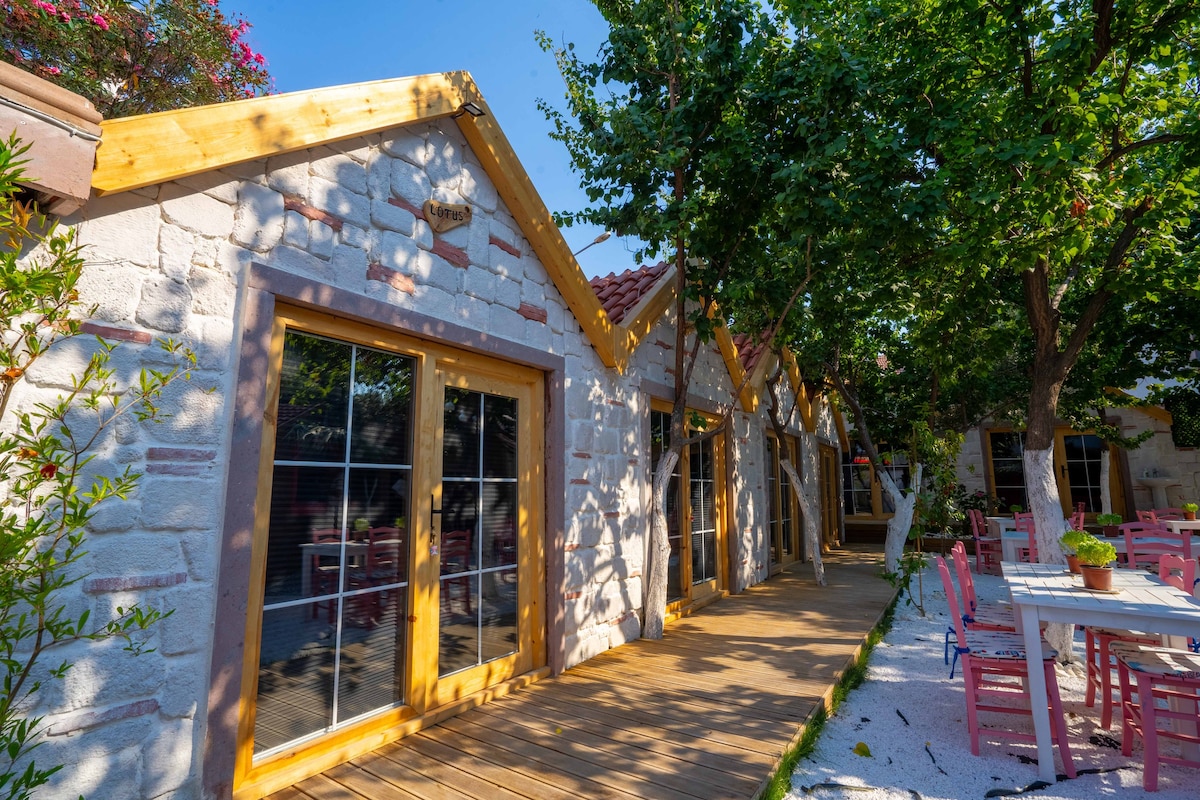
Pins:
x: 455, y: 558
x: 995, y: 675
x: 325, y: 569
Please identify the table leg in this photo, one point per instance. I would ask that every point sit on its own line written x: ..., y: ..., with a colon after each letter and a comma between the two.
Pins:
x: 1038, y: 699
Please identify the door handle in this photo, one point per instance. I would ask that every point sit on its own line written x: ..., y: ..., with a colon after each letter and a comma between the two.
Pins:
x: 434, y: 530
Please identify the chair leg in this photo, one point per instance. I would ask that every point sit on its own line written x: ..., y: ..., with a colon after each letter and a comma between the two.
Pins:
x: 1105, y: 668
x: 1060, y: 721
x: 1149, y: 733
x: 1127, y: 711
x: 1093, y: 677
x: 969, y: 677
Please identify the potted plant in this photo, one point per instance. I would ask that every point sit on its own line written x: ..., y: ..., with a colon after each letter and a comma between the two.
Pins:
x: 1189, y: 510
x: 1014, y: 509
x: 1109, y: 523
x: 1070, y: 541
x: 1095, y: 559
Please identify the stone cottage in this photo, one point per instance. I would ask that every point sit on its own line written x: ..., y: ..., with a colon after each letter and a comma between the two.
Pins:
x: 412, y: 469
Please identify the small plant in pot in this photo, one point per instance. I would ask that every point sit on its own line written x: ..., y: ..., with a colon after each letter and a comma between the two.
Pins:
x: 1069, y: 541
x: 1095, y: 560
x: 1189, y: 510
x: 1109, y: 523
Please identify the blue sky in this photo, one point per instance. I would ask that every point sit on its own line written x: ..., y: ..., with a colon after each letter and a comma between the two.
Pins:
x: 309, y: 44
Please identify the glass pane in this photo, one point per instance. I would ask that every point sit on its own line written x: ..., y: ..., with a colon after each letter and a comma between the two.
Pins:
x: 498, y: 612
x: 314, y: 395
x: 304, y: 542
x: 675, y: 569
x: 499, y: 437
x: 372, y: 652
x: 710, y: 556
x: 381, y: 432
x: 499, y: 524
x: 460, y: 443
x: 458, y: 641
x: 1007, y: 444
x: 378, y: 498
x: 460, y: 515
x: 295, y: 675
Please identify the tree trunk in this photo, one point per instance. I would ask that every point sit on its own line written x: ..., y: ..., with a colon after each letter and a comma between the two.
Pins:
x: 654, y: 607
x: 901, y: 522
x: 1105, y: 480
x: 810, y: 514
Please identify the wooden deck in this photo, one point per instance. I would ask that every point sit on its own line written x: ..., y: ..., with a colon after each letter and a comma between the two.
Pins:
x: 705, y: 713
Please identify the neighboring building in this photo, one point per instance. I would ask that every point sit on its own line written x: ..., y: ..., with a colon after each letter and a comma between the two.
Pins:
x: 412, y: 469
x: 991, y: 461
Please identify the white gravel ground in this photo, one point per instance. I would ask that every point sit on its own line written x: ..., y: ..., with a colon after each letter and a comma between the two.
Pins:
x: 912, y: 717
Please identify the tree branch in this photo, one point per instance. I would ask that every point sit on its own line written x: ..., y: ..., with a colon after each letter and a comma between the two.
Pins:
x: 1120, y: 152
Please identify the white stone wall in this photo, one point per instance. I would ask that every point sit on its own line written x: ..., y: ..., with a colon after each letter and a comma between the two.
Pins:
x: 168, y: 260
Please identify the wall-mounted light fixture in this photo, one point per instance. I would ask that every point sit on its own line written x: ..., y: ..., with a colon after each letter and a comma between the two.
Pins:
x: 468, y: 108
x: 601, y: 238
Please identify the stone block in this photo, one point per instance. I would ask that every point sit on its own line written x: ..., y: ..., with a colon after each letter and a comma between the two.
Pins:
x: 112, y: 288
x: 406, y: 145
x: 472, y: 312
x: 433, y: 302
x: 411, y: 183
x: 196, y: 412
x: 233, y: 260
x: 477, y: 187
x: 342, y: 170
x: 423, y: 235
x: 168, y: 760
x: 119, y: 227
x: 105, y: 768
x: 213, y: 184
x: 320, y: 240
x: 435, y: 271
x: 213, y: 294
x: 353, y: 236
x: 379, y: 175
x: 537, y: 335
x: 110, y: 676
x: 189, y: 627
x: 508, y: 293
x: 200, y: 552
x: 195, y: 211
x: 174, y: 503
x: 445, y: 165
x: 396, y: 251
x: 300, y: 263
x: 351, y: 208
x: 393, y: 218
x: 507, y: 324
x: 176, y: 246
x: 295, y: 230
x: 554, y: 318
x: 480, y: 283
x: 289, y: 173
x: 349, y: 264
x: 114, y: 517
x: 258, y: 222
x: 211, y: 339
x: 533, y: 293
x: 164, y: 305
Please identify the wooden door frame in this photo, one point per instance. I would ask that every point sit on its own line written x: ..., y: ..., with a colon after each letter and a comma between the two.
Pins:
x: 830, y: 488
x: 243, y: 557
x: 784, y: 495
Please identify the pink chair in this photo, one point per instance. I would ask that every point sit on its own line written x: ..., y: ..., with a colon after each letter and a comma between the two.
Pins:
x: 988, y: 550
x: 994, y: 673
x: 326, y: 571
x: 1077, y: 520
x: 978, y: 616
x: 1024, y: 523
x: 1167, y: 513
x: 1146, y: 542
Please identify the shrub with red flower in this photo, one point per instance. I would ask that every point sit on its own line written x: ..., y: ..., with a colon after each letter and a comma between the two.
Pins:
x: 134, y: 56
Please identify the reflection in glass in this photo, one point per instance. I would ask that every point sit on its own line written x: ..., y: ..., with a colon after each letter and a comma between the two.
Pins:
x: 460, y: 433
x: 295, y: 677
x: 499, y: 524
x: 660, y: 440
x: 500, y: 437
x: 336, y: 534
x: 702, y: 495
x: 458, y: 644
x: 498, y: 614
x: 1008, y: 469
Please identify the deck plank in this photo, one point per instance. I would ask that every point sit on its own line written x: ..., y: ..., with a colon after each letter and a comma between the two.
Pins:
x: 704, y: 714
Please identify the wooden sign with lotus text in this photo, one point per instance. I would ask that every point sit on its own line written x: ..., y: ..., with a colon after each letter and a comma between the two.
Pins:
x: 446, y: 216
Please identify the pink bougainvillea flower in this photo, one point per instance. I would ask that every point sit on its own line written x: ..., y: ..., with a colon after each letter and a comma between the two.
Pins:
x: 100, y: 21
x: 48, y: 470
x: 260, y: 59
x: 53, y: 70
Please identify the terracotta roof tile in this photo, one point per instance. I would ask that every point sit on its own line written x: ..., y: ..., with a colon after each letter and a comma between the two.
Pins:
x: 619, y: 293
x: 748, y: 352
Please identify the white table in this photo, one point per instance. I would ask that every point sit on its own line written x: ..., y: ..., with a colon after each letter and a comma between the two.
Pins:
x: 1181, y: 525
x: 998, y: 525
x: 1045, y: 593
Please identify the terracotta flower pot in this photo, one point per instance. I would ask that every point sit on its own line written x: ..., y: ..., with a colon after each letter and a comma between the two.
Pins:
x: 1111, y: 531
x: 1073, y: 563
x: 1189, y: 515
x: 1098, y: 578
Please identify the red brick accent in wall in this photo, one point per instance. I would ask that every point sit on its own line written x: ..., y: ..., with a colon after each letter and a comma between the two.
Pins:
x: 126, y: 583
x: 400, y: 202
x: 505, y: 246
x: 293, y: 203
x: 581, y: 455
x: 179, y: 454
x: 397, y: 280
x: 91, y: 719
x: 120, y: 334
x: 532, y: 312
x: 455, y: 255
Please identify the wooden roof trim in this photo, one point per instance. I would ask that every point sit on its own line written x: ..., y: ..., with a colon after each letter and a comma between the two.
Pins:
x: 737, y: 372
x: 154, y: 148
x: 1154, y: 412
x: 796, y: 380
x: 649, y: 310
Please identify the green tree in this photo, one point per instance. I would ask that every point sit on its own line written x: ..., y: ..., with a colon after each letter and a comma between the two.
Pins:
x: 50, y: 485
x: 1056, y: 144
x: 669, y: 130
x: 134, y: 56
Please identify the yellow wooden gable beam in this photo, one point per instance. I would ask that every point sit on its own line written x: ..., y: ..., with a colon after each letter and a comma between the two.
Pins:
x: 737, y: 372
x: 155, y: 148
x: 803, y: 401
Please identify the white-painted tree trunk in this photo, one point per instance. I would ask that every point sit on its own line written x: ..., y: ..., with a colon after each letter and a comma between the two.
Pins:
x: 1105, y: 477
x: 809, y: 510
x: 659, y: 552
x: 901, y: 522
x: 1042, y: 490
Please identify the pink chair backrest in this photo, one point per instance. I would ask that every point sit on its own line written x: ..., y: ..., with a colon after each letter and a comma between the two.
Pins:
x: 951, y: 599
x: 966, y: 584
x: 978, y: 524
x: 1145, y: 516
x: 1146, y: 542
x: 1077, y: 521
x: 1160, y: 514
x: 1023, y: 520
x: 1185, y: 580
